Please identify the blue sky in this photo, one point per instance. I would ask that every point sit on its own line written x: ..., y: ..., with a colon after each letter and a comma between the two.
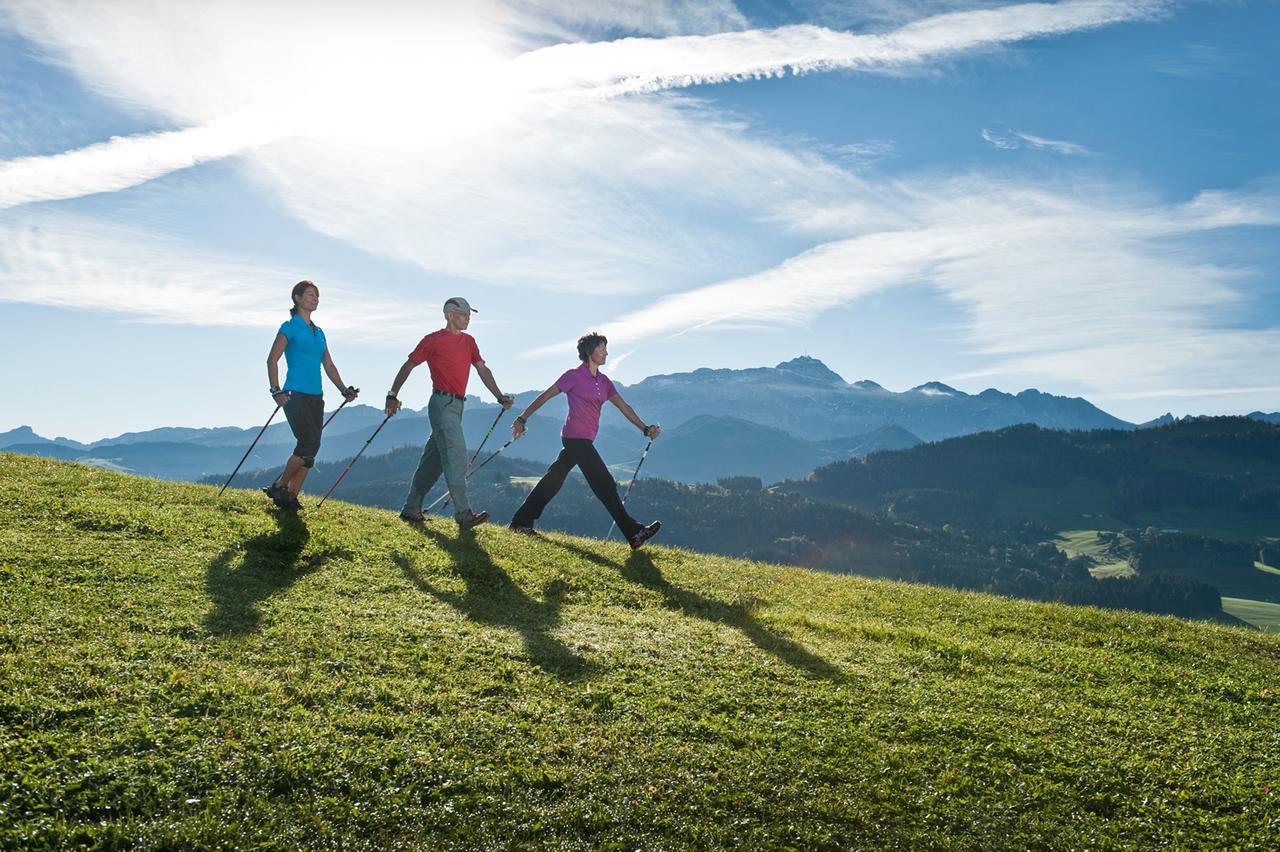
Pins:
x: 1079, y: 196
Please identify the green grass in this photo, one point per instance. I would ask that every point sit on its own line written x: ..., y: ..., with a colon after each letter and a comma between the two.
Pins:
x: 1086, y: 543
x: 179, y: 670
x: 1260, y: 614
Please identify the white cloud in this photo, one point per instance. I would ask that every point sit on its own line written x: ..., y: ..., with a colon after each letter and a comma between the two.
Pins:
x: 867, y: 153
x: 630, y: 66
x: 128, y: 161
x: 1197, y: 61
x: 653, y: 194
x: 1013, y: 139
x: 570, y: 18
x: 1075, y: 285
x: 531, y: 172
x: 420, y: 78
x: 83, y: 263
x: 1005, y: 143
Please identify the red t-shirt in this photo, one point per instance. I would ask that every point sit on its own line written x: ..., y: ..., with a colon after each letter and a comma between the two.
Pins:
x: 449, y: 356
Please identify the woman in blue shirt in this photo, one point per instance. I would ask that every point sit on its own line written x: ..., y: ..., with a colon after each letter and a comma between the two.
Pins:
x: 305, y: 350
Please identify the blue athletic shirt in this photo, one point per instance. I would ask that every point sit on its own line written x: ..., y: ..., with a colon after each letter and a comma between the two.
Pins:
x: 303, y: 354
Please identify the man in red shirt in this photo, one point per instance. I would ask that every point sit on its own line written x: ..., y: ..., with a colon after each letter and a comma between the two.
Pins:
x: 449, y: 353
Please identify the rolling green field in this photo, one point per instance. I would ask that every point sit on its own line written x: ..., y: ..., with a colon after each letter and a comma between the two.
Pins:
x: 179, y: 670
x: 1235, y: 602
x: 1260, y: 614
x: 1086, y: 543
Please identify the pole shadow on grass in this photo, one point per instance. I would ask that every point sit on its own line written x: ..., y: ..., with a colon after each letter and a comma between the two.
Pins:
x: 639, y: 568
x: 493, y: 598
x: 244, y: 574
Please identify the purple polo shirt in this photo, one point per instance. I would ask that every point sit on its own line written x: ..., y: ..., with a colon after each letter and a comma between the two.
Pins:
x: 586, y: 394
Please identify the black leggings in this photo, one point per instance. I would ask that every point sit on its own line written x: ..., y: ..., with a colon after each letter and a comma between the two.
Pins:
x: 581, y: 453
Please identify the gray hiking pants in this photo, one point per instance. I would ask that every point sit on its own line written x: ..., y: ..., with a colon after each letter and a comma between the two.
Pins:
x: 446, y: 452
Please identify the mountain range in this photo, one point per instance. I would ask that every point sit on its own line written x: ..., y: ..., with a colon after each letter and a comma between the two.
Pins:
x: 771, y: 422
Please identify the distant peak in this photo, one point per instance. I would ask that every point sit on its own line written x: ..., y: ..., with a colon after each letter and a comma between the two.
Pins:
x: 936, y: 389
x: 1163, y: 420
x: 867, y: 384
x: 810, y: 368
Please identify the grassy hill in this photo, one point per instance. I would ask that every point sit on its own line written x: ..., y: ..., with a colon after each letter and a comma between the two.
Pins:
x: 181, y: 670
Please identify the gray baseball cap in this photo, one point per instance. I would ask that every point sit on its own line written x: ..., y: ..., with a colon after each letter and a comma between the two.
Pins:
x: 459, y: 305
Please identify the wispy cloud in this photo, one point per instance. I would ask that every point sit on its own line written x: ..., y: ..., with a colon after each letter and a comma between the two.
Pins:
x: 866, y: 153
x: 454, y: 94
x: 529, y: 167
x: 1012, y: 140
x: 128, y: 161
x: 631, y: 66
x: 84, y: 263
x: 649, y: 17
x: 1203, y: 61
x: 1077, y: 286
x: 1005, y: 143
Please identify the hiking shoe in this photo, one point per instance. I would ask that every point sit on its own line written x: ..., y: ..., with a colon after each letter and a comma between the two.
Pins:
x: 289, y: 503
x: 646, y: 533
x: 413, y: 516
x: 523, y: 530
x: 276, y: 492
x: 472, y: 519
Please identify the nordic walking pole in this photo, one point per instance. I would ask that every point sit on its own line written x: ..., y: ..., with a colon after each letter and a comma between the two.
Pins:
x: 336, y: 410
x: 354, y: 460
x: 492, y: 456
x: 251, y: 446
x: 630, y: 484
x: 485, y: 440
x: 264, y: 429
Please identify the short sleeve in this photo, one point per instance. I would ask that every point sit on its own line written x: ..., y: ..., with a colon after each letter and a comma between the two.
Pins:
x: 610, y: 390
x: 475, y: 351
x: 565, y: 382
x: 421, y: 351
x: 286, y: 328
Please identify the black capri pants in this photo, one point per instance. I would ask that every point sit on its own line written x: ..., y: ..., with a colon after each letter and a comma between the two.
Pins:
x: 305, y: 413
x: 581, y: 453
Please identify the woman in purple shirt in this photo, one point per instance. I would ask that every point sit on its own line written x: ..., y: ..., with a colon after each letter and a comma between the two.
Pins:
x: 587, y: 389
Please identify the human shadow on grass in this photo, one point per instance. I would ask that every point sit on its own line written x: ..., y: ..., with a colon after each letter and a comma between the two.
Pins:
x: 639, y: 568
x: 492, y: 597
x: 245, y: 574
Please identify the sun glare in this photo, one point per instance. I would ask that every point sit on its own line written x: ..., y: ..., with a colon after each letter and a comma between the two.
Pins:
x: 402, y: 86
